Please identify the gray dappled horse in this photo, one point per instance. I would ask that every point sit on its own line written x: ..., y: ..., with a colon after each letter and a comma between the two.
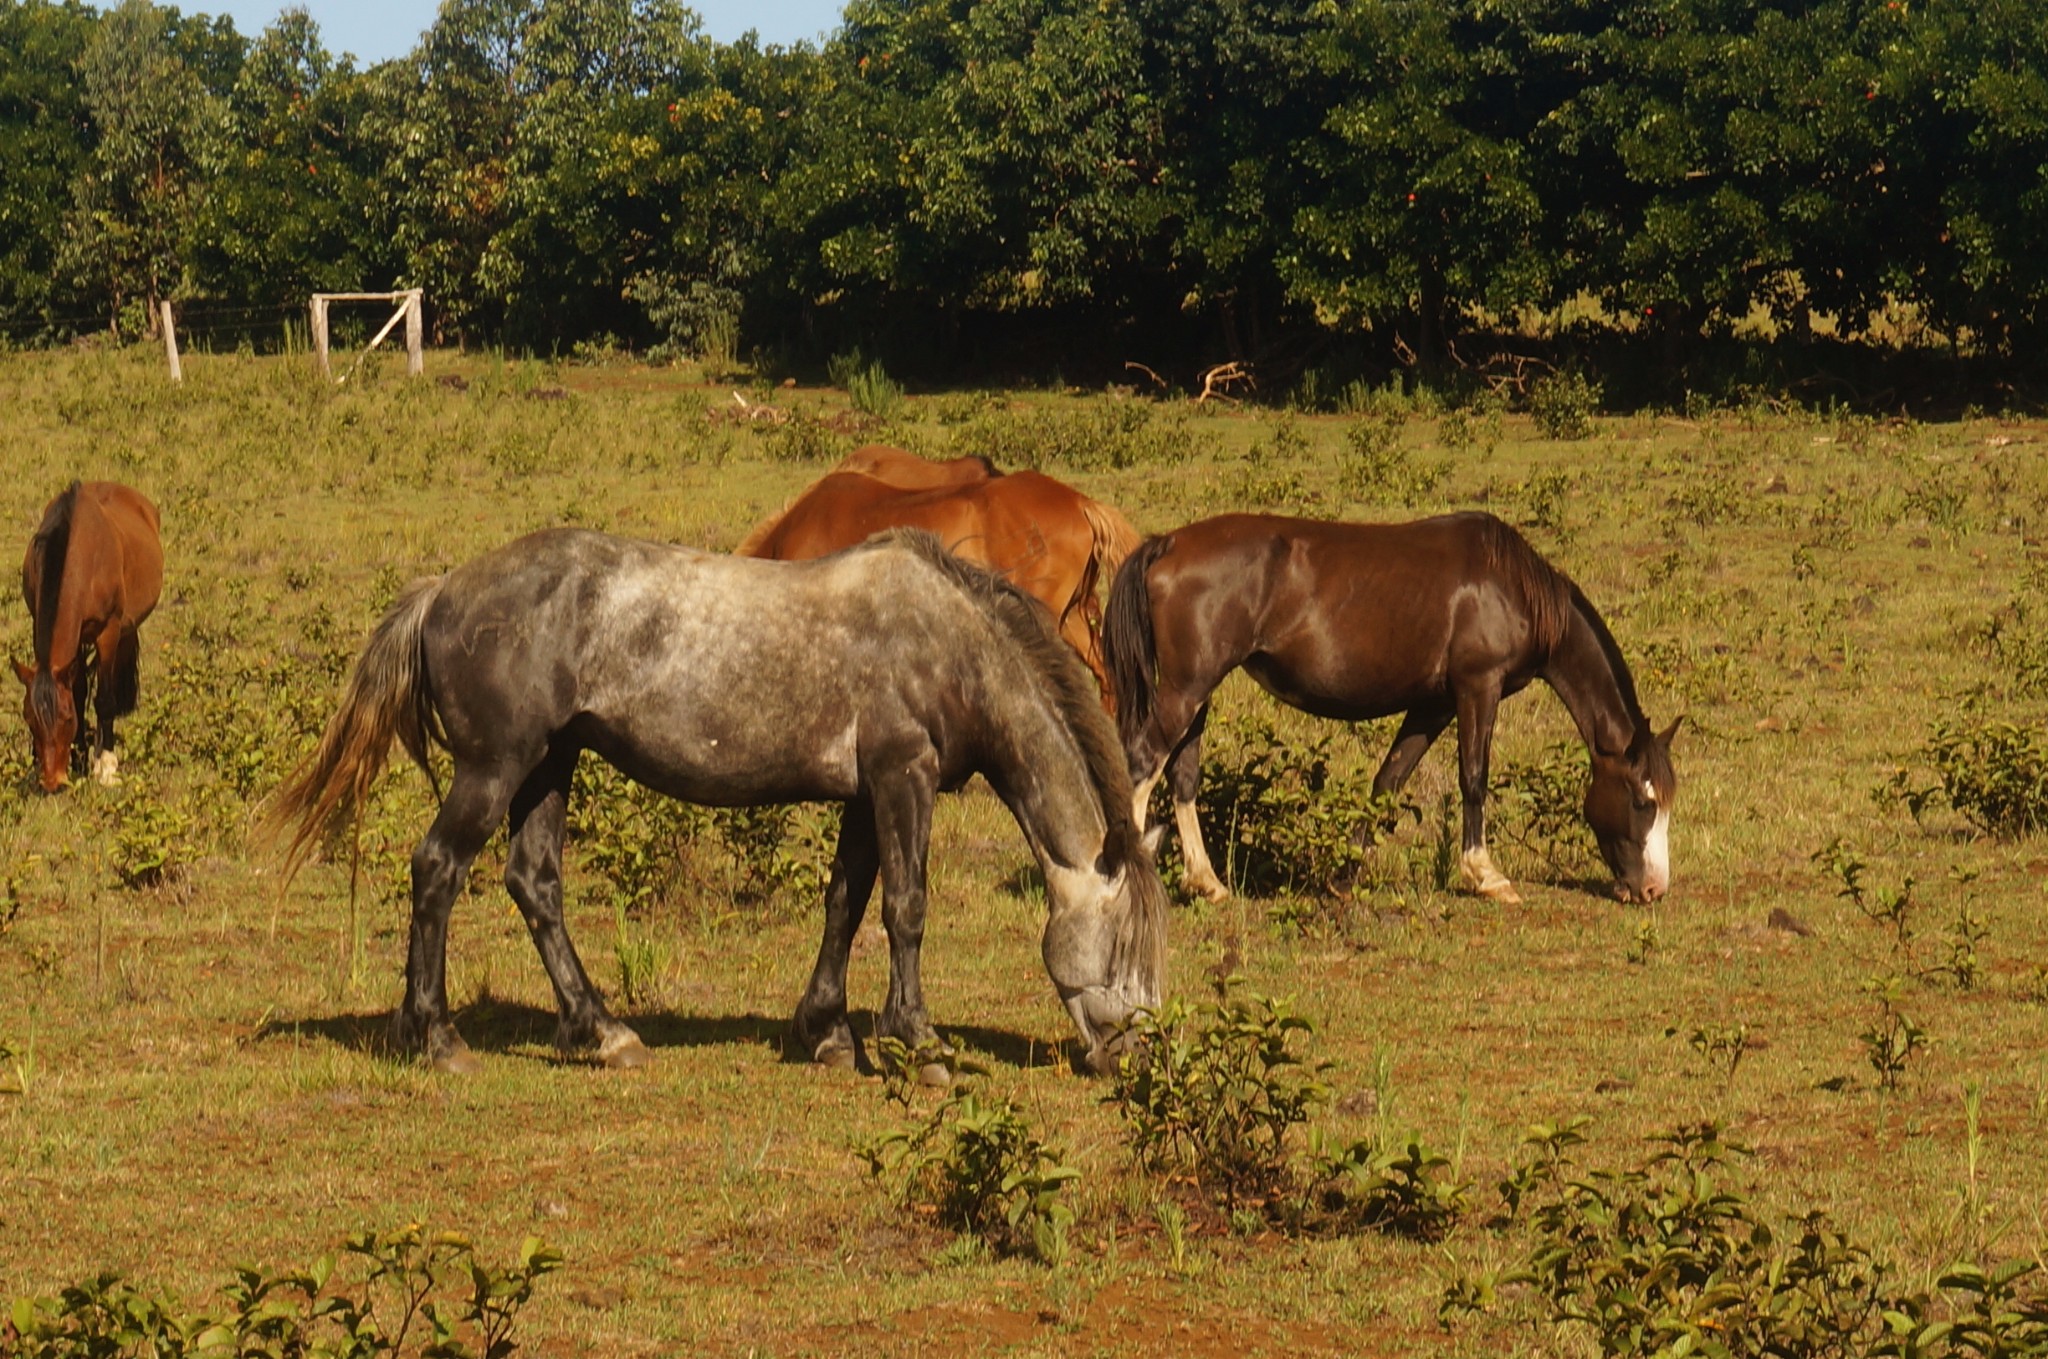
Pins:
x: 876, y: 677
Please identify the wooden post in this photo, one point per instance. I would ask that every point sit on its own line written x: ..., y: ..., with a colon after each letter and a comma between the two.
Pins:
x: 415, y: 363
x: 171, y: 340
x: 320, y: 335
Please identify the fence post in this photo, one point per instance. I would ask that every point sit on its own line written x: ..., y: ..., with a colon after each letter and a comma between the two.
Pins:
x: 320, y: 335
x: 171, y: 340
x: 415, y: 363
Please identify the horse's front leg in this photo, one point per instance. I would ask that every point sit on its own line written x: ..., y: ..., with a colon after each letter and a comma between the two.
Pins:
x: 1476, y: 709
x: 820, y: 1027
x: 902, y: 787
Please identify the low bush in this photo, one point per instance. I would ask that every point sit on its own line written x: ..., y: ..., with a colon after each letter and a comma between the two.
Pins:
x: 1283, y: 815
x: 976, y: 1166
x: 1993, y: 773
x: 1564, y: 404
x: 1663, y: 1258
x: 406, y: 1294
x: 1221, y: 1093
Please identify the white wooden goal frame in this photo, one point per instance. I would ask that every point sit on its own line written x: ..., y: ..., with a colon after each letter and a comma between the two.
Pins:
x: 408, y: 300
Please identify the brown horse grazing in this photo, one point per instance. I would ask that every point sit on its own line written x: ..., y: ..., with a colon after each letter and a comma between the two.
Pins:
x: 1046, y: 538
x: 92, y: 574
x: 908, y: 472
x: 892, y: 467
x: 1437, y: 620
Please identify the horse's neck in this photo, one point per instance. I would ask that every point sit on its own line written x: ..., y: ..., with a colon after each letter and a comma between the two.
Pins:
x: 1582, y: 674
x: 63, y: 588
x: 1037, y: 768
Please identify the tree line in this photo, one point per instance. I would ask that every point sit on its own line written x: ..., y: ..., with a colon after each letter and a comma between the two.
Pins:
x: 1037, y: 183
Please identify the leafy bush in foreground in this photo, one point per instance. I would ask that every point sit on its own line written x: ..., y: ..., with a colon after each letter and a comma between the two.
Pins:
x: 1218, y: 1091
x: 1661, y: 1259
x: 977, y: 1167
x: 416, y: 1295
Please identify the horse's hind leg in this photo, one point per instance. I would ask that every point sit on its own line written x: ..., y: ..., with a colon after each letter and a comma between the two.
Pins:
x: 820, y: 1027
x: 115, y: 658
x: 533, y: 875
x: 1476, y: 710
x: 476, y: 803
x: 1184, y: 777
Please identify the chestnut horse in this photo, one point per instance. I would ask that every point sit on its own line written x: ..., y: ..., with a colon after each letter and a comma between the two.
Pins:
x: 892, y: 467
x: 1437, y: 620
x: 1045, y: 537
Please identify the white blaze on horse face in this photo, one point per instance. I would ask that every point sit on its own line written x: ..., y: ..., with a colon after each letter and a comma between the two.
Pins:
x: 1657, y: 856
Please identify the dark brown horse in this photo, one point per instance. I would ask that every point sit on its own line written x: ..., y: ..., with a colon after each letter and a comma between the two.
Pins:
x: 1046, y: 538
x: 93, y: 572
x: 1438, y: 620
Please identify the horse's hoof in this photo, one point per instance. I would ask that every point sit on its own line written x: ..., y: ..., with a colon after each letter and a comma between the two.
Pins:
x: 1209, y: 888
x: 630, y: 1055
x: 839, y: 1056
x: 457, y: 1062
x: 1099, y: 1060
x: 1504, y: 893
x: 106, y: 770
x: 935, y: 1074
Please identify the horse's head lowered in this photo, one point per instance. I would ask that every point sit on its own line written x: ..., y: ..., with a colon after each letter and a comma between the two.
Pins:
x: 1629, y: 808
x: 52, y: 714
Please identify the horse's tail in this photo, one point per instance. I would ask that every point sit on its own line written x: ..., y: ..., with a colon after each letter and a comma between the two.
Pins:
x: 1127, y: 644
x: 387, y: 696
x: 1115, y: 538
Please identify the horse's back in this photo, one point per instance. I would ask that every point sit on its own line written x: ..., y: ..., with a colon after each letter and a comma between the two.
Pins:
x: 136, y: 527
x: 906, y: 471
x: 1356, y: 619
x: 711, y: 677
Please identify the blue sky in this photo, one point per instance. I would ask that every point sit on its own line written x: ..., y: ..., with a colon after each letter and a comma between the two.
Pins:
x: 377, y: 29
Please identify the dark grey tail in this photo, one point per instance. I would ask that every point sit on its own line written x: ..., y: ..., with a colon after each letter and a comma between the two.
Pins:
x: 1127, y: 646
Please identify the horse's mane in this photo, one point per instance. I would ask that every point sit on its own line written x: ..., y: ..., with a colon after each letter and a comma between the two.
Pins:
x: 1546, y: 593
x: 1141, y: 942
x: 1611, y: 649
x: 1059, y: 668
x: 1551, y: 598
x: 50, y: 547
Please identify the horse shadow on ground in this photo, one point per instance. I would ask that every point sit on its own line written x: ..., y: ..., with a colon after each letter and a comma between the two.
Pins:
x: 512, y: 1028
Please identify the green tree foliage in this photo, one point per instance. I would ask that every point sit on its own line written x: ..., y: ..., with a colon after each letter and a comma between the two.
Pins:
x: 1242, y: 179
x: 43, y: 145
x: 150, y: 83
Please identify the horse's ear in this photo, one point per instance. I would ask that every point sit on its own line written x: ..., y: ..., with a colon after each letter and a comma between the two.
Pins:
x: 1664, y: 736
x: 27, y: 673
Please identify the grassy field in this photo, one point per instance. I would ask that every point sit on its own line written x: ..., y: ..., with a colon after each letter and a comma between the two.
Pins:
x: 197, y: 1081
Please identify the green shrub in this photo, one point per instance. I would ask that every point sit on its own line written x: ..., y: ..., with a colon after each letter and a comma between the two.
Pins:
x: 1287, y: 818
x: 153, y: 840
x: 405, y: 1294
x: 1538, y: 805
x: 977, y: 1167
x: 1662, y: 1259
x: 1382, y: 470
x: 1995, y: 774
x: 1564, y: 404
x: 1404, y: 1188
x: 1218, y: 1091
